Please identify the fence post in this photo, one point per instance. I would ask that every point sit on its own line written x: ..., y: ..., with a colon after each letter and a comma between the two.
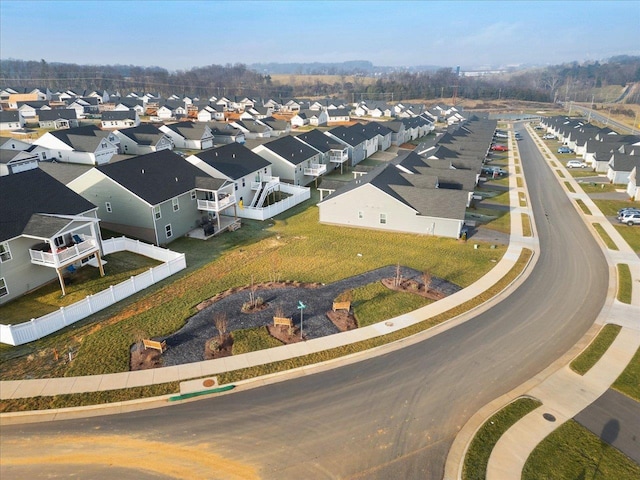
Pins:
x: 89, y: 303
x: 133, y: 282
x: 34, y: 329
x: 64, y: 317
x: 153, y: 280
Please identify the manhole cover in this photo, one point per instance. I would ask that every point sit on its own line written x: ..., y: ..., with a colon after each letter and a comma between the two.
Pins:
x: 549, y: 417
x: 208, y: 383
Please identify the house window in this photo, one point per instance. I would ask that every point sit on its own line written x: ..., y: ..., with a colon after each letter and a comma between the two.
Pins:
x: 236, y: 186
x: 360, y: 214
x: 5, y: 253
x: 3, y: 288
x: 265, y: 170
x: 107, y: 205
x: 157, y: 213
x: 243, y: 182
x: 175, y: 204
x: 383, y: 219
x: 193, y: 195
x: 59, y: 241
x: 168, y: 231
x: 59, y: 154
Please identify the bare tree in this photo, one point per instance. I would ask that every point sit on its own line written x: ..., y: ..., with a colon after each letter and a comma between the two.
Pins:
x: 220, y: 321
x: 426, y: 279
x: 398, y: 278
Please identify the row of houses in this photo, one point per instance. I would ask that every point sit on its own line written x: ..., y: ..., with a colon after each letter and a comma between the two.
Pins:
x: 602, y: 149
x: 52, y: 213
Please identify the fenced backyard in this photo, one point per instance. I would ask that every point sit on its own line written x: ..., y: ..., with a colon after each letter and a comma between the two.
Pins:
x: 45, y: 325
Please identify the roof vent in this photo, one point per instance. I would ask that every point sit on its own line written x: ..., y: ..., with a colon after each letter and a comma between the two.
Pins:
x: 176, y: 179
x: 143, y: 171
x: 234, y: 155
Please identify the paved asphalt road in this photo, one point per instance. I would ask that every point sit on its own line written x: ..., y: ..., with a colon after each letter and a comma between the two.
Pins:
x: 615, y: 418
x: 393, y: 416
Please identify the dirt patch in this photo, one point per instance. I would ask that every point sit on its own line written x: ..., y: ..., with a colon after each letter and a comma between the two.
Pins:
x: 214, y: 348
x: 284, y: 334
x: 343, y: 320
x: 210, y: 301
x: 142, y: 359
x: 412, y: 286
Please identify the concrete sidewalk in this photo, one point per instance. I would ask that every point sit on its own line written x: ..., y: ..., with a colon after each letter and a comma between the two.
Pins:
x: 563, y: 393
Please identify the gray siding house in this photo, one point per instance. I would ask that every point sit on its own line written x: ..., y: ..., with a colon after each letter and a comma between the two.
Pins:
x: 389, y: 199
x: 154, y: 197
x: 292, y: 160
x: 47, y: 231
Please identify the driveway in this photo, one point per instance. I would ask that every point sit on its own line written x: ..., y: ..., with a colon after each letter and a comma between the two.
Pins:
x: 615, y: 418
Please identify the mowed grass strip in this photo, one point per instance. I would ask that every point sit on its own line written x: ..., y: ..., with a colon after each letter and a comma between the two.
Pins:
x: 569, y: 187
x: 526, y: 225
x: 572, y: 451
x: 590, y: 356
x: 89, y: 398
x: 624, y: 283
x: 629, y: 380
x: 583, y: 206
x: 605, y: 237
x: 477, y: 457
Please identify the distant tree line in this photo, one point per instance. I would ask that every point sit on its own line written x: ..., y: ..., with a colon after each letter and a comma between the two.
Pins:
x: 571, y: 81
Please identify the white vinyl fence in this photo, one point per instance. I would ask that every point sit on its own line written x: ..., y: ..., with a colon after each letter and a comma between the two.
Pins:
x: 40, y: 327
x: 298, y: 195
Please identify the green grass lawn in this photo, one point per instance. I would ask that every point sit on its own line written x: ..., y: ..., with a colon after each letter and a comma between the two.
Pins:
x: 294, y: 247
x: 591, y: 187
x: 590, y: 356
x: 629, y: 380
x: 610, y: 209
x: 573, y: 452
x: 477, y: 457
x: 580, y: 172
x: 252, y: 339
x: 375, y: 303
x: 624, y: 283
x: 605, y: 236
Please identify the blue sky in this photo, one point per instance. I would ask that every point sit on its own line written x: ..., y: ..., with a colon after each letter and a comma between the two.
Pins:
x: 179, y: 35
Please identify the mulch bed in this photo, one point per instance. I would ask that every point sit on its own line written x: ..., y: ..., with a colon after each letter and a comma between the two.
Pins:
x: 223, y: 350
x: 281, y: 332
x: 210, y: 301
x: 412, y: 286
x: 142, y: 359
x: 343, y: 320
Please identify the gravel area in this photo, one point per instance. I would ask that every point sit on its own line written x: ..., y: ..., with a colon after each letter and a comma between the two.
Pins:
x: 187, y: 344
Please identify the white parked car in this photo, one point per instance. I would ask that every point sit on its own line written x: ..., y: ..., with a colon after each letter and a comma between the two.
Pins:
x: 548, y: 136
x: 630, y: 218
x: 576, y: 164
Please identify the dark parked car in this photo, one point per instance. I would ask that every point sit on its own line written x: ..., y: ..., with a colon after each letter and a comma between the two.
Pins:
x: 564, y: 150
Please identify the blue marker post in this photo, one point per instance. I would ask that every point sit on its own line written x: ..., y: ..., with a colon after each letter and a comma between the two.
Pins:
x: 301, y: 307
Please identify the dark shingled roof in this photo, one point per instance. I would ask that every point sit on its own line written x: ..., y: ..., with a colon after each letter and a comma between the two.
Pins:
x: 155, y: 177
x: 233, y: 160
x: 114, y: 115
x: 320, y: 141
x: 82, y: 139
x: 57, y: 113
x: 25, y: 194
x: 291, y: 149
x: 143, y: 134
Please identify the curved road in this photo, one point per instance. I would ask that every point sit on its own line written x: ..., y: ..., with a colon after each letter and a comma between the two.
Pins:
x: 393, y: 416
